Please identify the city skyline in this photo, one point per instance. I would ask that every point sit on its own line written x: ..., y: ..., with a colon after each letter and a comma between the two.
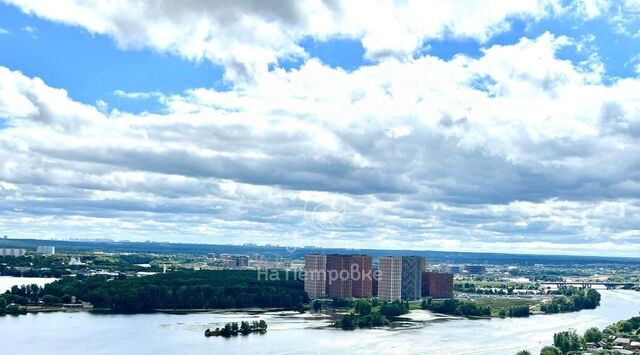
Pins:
x: 510, y: 129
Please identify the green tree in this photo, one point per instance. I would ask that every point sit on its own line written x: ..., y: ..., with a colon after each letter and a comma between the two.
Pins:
x: 245, y: 328
x: 523, y: 352
x: 550, y: 350
x: 50, y: 300
x: 349, y: 322
x: 592, y: 335
x: 568, y: 341
x: 66, y: 298
x: 363, y: 307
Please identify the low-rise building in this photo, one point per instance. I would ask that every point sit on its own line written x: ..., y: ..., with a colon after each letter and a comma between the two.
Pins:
x: 12, y: 252
x: 437, y: 285
x: 475, y: 269
x: 46, y: 249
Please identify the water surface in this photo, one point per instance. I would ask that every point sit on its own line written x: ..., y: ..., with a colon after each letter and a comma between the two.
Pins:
x: 6, y: 282
x: 84, y: 333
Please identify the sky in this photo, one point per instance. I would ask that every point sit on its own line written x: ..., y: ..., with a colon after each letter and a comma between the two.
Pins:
x: 487, y: 126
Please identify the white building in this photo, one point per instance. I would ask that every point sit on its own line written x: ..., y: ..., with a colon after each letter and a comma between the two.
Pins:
x: 45, y: 249
x: 12, y: 252
x: 76, y: 261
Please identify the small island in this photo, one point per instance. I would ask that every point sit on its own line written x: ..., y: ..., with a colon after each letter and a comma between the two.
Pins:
x: 233, y: 329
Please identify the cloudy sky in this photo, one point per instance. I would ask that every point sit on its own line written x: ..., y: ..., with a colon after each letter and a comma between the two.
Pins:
x: 508, y: 126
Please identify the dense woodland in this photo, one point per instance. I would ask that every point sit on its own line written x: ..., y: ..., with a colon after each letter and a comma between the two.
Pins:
x: 456, y: 307
x: 572, y: 299
x: 176, y: 290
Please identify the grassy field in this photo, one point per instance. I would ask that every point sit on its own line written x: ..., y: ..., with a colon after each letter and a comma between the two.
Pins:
x: 498, y: 304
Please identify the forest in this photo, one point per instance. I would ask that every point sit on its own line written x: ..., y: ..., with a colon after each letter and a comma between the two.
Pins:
x: 179, y: 290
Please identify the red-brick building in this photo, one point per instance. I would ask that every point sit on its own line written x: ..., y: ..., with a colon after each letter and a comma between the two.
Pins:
x: 361, y: 276
x: 349, y: 276
x: 339, y: 283
x: 437, y: 285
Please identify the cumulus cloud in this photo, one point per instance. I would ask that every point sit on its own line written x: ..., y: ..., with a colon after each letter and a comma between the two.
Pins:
x: 247, y: 36
x: 514, y: 149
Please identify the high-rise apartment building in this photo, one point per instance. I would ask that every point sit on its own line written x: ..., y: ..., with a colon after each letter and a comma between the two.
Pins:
x: 411, y: 284
x: 315, y: 281
x: 339, y: 282
x: 361, y: 276
x: 390, y: 278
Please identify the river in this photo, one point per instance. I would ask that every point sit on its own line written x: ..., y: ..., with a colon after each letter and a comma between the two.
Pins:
x: 6, y: 282
x: 159, y: 333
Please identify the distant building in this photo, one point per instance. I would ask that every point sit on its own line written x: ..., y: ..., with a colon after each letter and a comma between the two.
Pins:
x: 46, y: 249
x: 475, y: 269
x: 411, y: 283
x: 339, y: 283
x: 390, y: 278
x: 76, y: 261
x: 222, y: 263
x: 12, y: 252
x: 242, y: 260
x: 315, y: 281
x: 454, y: 269
x: 361, y: 276
x: 437, y: 285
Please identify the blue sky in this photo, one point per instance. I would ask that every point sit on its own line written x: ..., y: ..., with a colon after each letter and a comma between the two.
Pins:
x: 476, y: 127
x: 91, y: 67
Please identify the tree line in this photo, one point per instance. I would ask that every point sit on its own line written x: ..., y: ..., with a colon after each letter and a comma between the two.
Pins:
x: 455, y: 307
x: 232, y: 329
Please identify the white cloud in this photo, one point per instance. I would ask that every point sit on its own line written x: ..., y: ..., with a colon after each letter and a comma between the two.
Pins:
x: 32, y: 31
x: 516, y: 148
x: 4, y: 32
x: 138, y: 95
x: 246, y: 36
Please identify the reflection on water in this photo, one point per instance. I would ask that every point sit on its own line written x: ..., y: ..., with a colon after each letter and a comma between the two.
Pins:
x: 75, y: 333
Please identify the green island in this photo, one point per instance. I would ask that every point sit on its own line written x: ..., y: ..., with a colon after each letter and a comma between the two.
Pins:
x: 178, y: 290
x: 566, y: 299
x: 233, y: 329
x: 571, y: 299
x: 622, y: 337
x: 368, y: 313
